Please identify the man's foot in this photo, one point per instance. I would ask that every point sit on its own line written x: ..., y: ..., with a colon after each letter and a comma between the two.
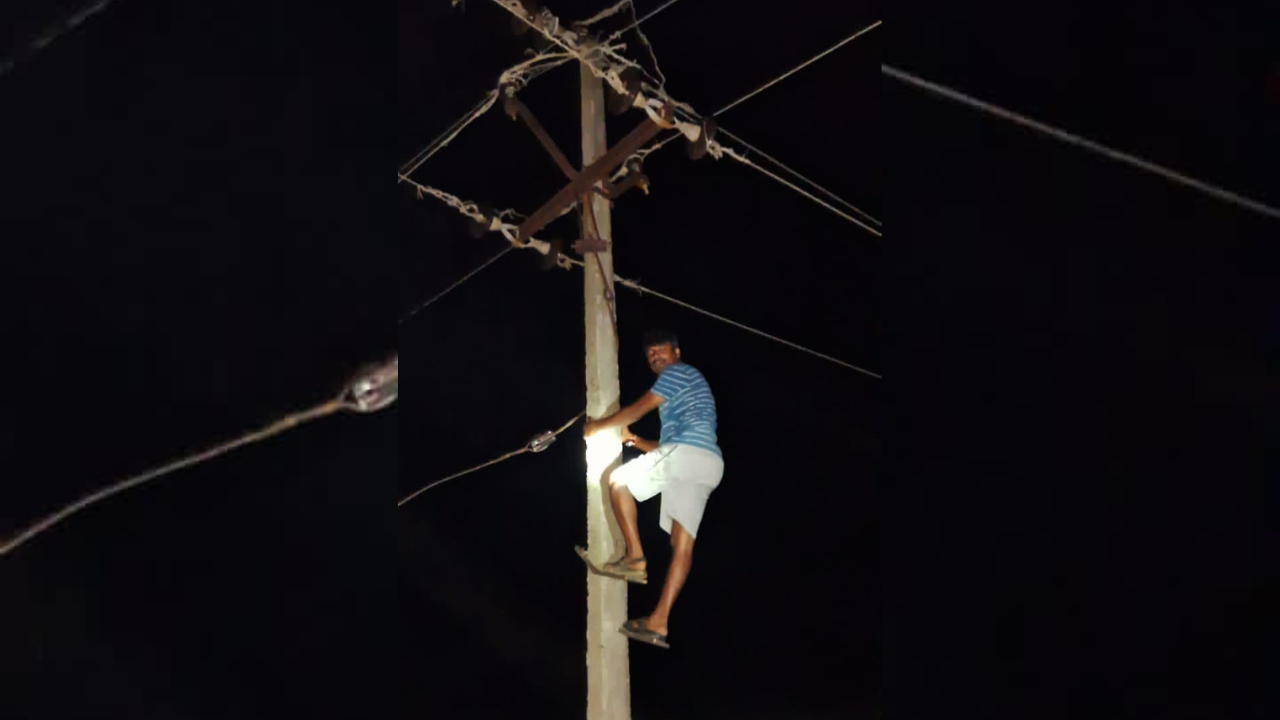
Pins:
x: 628, y: 568
x: 623, y: 569
x: 640, y: 629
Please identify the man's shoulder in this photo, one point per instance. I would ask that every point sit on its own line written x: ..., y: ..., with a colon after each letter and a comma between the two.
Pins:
x: 682, y: 370
x: 685, y: 373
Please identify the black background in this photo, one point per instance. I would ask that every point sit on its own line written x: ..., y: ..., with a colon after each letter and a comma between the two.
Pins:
x: 1059, y: 503
x: 197, y: 246
x: 1083, y: 508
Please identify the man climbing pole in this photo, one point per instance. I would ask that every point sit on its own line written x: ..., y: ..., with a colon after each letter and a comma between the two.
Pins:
x: 685, y: 466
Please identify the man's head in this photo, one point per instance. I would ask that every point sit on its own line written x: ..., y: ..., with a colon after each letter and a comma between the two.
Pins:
x: 661, y: 348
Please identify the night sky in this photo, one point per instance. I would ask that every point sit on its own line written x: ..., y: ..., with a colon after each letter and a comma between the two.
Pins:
x: 1060, y: 502
x: 1083, y: 513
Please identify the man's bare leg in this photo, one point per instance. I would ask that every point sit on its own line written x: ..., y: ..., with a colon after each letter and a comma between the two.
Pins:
x: 681, y: 562
x: 624, y: 509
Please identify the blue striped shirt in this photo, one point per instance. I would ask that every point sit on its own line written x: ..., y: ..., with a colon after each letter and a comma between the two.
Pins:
x: 689, y: 412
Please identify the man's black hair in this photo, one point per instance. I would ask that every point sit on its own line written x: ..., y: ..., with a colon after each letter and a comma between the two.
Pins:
x: 661, y: 336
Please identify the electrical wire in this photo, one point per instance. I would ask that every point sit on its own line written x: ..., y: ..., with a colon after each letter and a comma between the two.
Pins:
x: 52, y: 33
x: 798, y: 68
x: 647, y: 15
x: 605, y: 14
x: 636, y: 286
x: 371, y: 390
x: 748, y: 162
x: 451, y: 132
x: 458, y: 282
x: 796, y: 174
x: 662, y: 79
x: 721, y: 151
x: 1072, y: 139
x: 527, y: 448
x: 549, y: 27
x: 566, y: 262
x: 642, y: 154
x: 520, y: 74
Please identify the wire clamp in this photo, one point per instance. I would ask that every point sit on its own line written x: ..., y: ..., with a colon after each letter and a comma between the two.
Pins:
x: 541, y: 442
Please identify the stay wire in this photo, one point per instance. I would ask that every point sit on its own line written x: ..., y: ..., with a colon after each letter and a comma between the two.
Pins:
x: 422, y: 306
x: 287, y: 423
x: 483, y: 465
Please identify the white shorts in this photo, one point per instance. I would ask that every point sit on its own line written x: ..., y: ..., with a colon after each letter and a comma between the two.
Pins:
x: 685, y: 475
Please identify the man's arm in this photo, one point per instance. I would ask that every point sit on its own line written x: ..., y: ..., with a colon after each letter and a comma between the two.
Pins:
x: 626, y: 416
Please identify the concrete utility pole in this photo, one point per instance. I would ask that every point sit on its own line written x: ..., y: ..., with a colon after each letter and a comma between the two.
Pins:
x: 608, y: 671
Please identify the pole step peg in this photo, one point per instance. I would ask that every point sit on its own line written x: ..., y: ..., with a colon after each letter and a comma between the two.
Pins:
x: 586, y: 246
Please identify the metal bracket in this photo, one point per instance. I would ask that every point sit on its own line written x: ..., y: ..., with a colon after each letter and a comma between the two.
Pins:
x: 596, y: 172
x: 515, y: 108
x: 587, y: 246
x: 591, y: 241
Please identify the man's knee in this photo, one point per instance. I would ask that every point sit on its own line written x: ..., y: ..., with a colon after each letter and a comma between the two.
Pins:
x: 616, y: 479
x: 681, y: 540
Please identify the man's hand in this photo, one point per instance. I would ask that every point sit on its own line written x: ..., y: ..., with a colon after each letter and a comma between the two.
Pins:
x: 624, y: 417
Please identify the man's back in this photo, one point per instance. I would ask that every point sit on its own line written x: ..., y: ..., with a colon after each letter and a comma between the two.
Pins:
x: 688, y: 414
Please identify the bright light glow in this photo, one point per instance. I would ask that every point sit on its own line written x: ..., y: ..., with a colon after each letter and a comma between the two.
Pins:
x: 602, y: 450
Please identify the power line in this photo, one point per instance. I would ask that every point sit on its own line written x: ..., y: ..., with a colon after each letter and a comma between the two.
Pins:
x: 662, y: 80
x: 492, y: 223
x: 468, y: 209
x: 798, y: 68
x: 657, y: 146
x: 648, y: 291
x: 373, y: 389
x: 456, y: 283
x: 604, y: 14
x: 1072, y: 139
x: 747, y: 161
x: 451, y: 132
x: 537, y: 444
x: 55, y: 31
x: 520, y: 75
x: 549, y: 26
x: 651, y: 13
x: 796, y: 174
x: 638, y: 23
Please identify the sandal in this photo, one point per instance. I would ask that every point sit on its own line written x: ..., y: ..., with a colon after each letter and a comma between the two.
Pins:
x: 638, y: 630
x: 618, y: 569
x: 626, y: 570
